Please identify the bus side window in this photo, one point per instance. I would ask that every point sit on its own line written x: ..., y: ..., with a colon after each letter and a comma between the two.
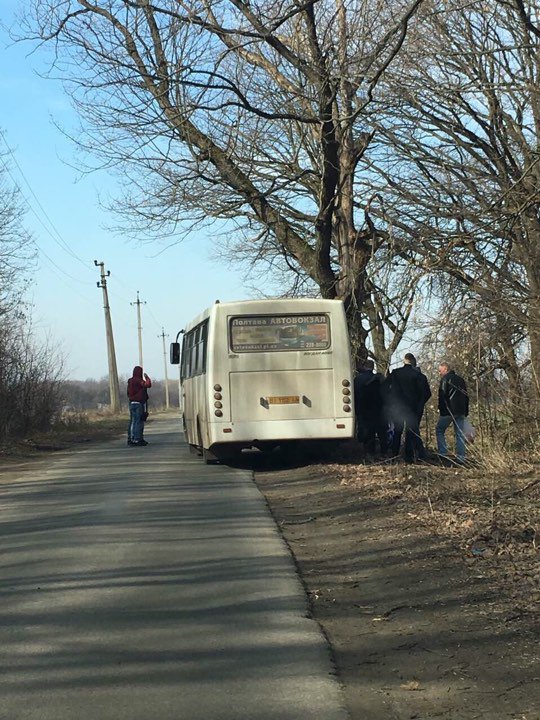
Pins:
x: 183, y: 361
x: 204, y: 347
x: 194, y: 351
x: 189, y: 355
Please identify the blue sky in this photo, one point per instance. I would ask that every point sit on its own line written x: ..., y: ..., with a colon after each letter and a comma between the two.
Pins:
x: 176, y: 283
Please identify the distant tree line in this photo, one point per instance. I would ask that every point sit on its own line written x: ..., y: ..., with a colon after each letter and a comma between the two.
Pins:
x: 92, y: 394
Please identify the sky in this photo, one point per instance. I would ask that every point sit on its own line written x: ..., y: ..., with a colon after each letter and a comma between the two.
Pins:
x: 70, y: 231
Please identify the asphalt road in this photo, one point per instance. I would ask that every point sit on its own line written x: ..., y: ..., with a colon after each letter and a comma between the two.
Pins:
x: 138, y: 583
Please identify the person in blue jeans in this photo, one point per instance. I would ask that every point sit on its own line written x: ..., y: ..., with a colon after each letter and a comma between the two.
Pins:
x: 453, y: 409
x: 137, y: 392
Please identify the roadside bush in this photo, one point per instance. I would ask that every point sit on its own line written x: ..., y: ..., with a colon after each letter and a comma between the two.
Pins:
x: 30, y: 378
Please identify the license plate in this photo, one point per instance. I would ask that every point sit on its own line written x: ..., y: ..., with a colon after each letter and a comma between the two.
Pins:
x: 283, y: 399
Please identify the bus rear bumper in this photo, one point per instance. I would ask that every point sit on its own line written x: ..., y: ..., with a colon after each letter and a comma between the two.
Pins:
x: 250, y: 433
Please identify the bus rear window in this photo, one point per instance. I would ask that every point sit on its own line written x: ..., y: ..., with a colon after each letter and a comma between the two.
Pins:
x: 268, y: 333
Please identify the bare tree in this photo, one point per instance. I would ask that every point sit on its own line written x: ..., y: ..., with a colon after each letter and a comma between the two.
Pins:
x: 457, y: 164
x: 393, y: 291
x: 16, y: 249
x: 250, y: 111
x: 30, y: 381
x: 29, y: 372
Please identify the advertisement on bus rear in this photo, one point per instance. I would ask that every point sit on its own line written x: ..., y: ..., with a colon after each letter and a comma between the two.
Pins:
x: 269, y: 333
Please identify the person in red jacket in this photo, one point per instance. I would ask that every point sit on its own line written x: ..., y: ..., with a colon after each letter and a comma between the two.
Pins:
x: 137, y: 393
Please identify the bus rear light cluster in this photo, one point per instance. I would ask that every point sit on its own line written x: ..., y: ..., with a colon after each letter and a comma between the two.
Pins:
x: 218, y: 412
x: 346, y: 395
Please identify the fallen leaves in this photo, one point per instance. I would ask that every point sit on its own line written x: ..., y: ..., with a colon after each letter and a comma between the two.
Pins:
x: 411, y: 686
x: 493, y: 518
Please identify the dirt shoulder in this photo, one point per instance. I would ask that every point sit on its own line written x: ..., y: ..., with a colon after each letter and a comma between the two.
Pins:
x: 426, y: 588
x: 20, y: 458
x: 73, y: 435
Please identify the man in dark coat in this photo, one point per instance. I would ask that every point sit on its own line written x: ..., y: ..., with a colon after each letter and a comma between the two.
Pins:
x: 453, y: 409
x: 408, y: 393
x: 368, y: 405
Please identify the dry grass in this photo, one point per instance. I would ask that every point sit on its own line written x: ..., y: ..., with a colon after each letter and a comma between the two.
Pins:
x: 71, y: 429
x: 490, y: 510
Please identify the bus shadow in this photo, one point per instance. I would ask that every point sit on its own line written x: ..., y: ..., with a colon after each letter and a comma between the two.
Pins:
x: 291, y: 456
x: 349, y: 452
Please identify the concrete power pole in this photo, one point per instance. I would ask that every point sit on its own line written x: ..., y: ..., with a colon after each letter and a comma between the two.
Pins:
x: 163, y: 336
x: 114, y: 389
x: 138, y: 303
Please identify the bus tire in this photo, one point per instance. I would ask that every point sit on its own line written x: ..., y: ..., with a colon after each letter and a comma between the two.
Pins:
x: 209, y: 457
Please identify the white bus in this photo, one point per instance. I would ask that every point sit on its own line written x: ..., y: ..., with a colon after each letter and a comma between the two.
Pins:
x: 261, y: 373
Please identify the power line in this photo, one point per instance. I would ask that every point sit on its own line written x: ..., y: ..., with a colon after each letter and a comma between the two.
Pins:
x: 59, y: 269
x: 38, y: 248
x: 153, y: 317
x: 59, y: 240
x: 55, y: 235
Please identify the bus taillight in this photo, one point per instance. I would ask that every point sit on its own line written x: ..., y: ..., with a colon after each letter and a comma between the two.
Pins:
x: 346, y: 395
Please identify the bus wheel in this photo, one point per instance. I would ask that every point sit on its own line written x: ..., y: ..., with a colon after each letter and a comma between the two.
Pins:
x: 209, y: 457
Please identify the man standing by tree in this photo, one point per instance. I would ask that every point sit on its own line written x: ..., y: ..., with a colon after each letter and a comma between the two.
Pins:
x: 409, y: 392
x: 453, y: 408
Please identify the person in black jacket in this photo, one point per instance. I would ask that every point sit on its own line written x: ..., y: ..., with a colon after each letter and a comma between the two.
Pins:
x: 453, y: 409
x: 368, y: 405
x: 408, y: 393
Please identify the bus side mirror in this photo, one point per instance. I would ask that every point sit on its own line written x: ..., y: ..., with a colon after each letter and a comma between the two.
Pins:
x: 175, y: 353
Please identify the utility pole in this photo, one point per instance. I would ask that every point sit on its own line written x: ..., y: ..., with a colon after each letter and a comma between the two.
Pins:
x: 138, y: 303
x: 163, y: 336
x: 114, y: 389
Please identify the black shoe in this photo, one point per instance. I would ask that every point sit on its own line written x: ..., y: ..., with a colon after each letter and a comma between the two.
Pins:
x: 140, y: 443
x: 130, y: 442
